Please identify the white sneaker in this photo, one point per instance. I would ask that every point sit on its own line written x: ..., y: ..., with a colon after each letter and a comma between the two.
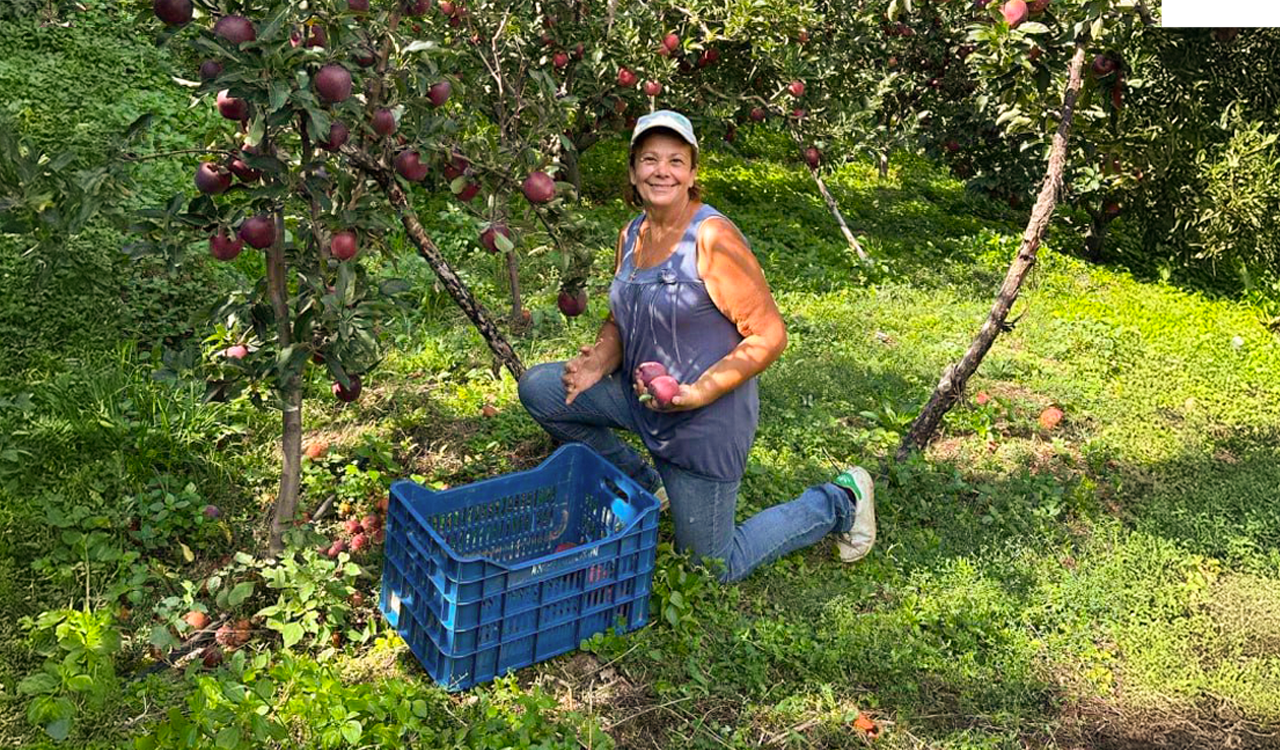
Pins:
x: 664, y: 504
x: 854, y: 544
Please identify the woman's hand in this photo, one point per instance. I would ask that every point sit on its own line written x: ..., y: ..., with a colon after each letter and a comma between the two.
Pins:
x: 582, y: 372
x: 690, y: 396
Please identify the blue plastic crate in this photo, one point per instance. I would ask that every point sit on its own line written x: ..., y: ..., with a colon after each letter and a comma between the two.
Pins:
x: 473, y: 581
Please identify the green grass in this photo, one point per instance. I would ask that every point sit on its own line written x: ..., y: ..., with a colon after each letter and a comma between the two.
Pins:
x: 1028, y: 586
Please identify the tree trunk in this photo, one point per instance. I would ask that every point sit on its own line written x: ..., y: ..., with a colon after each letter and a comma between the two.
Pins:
x: 572, y: 171
x: 290, y: 394
x: 1096, y: 236
x: 513, y: 277
x: 479, y: 316
x: 955, y: 376
x: 834, y: 208
x: 882, y: 163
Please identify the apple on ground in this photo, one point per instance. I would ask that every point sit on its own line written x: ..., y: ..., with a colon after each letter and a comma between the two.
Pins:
x: 370, y: 522
x: 344, y: 245
x: 359, y: 542
x: 1050, y: 417
x: 337, y: 548
x: 352, y: 526
x: 212, y: 511
x: 196, y: 620
x: 212, y: 656
x: 489, y: 411
x: 316, y: 450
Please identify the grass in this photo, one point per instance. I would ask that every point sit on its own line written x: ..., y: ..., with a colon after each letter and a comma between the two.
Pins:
x: 1111, y: 581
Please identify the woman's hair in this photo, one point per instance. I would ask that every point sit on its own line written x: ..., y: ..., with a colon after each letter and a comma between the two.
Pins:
x: 630, y: 195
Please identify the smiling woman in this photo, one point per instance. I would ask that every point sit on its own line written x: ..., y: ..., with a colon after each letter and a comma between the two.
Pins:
x: 691, y: 324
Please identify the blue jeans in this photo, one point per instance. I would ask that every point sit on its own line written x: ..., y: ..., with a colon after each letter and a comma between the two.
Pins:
x: 701, y: 508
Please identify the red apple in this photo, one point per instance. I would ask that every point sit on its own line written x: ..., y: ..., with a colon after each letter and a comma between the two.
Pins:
x: 338, y: 132
x: 352, y: 526
x: 469, y: 191
x: 709, y: 56
x: 647, y: 371
x: 488, y: 237
x: 370, y: 522
x: 315, y: 451
x: 210, y: 69
x: 211, y: 657
x: 212, y: 511
x: 231, y: 107
x: 318, y: 37
x: 560, y: 59
x: 663, y: 389
x: 333, y: 83
x: 409, y: 165
x: 538, y: 187
x: 359, y: 542
x: 579, y: 51
x: 344, y: 245
x: 445, y: 7
x: 798, y: 113
x: 572, y: 305
x: 236, y: 351
x: 652, y: 88
x: 196, y: 619
x: 757, y: 114
x: 439, y: 93
x: 348, y: 394
x: 358, y: 6
x: 223, y: 247
x: 671, y: 42
x: 813, y: 157
x: 259, y: 231
x: 730, y: 133
x: 384, y: 121
x: 803, y: 37
x: 796, y: 88
x: 1103, y: 66
x: 1015, y: 12
x: 212, y: 179
x: 235, y: 29
x: 242, y: 170
x: 1050, y: 417
x: 626, y: 78
x: 417, y: 7
x: 173, y: 12
x: 337, y: 548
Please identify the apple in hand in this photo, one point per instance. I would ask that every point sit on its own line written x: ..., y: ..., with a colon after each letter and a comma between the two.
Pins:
x: 647, y: 371
x: 663, y: 389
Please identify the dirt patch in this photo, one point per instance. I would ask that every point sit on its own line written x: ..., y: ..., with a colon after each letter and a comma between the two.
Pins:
x: 1108, y: 725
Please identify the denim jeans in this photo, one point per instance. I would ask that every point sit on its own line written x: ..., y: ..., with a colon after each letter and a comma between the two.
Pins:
x: 702, y: 508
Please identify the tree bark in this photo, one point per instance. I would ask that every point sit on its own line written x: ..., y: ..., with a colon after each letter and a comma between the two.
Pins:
x: 513, y: 278
x: 476, y: 312
x: 1096, y: 236
x: 955, y: 376
x: 834, y: 208
x: 290, y: 394
x: 882, y: 163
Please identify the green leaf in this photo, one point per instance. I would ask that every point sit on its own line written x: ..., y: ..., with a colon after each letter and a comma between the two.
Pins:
x: 503, y: 243
x: 228, y: 738
x: 292, y: 633
x: 420, y: 709
x: 419, y: 45
x: 41, y: 682
x: 242, y: 591
x: 81, y: 683
x: 1031, y: 27
x: 59, y: 729
x: 279, y: 94
x: 351, y: 731
x: 257, y: 129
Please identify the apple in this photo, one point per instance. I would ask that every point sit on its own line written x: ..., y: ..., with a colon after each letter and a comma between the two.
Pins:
x: 357, y: 599
x: 347, y: 395
x: 417, y: 7
x: 439, y: 93
x: 803, y: 37
x: 383, y: 504
x: 235, y: 29
x: 1015, y: 12
x: 212, y: 178
x: 370, y: 522
x: 579, y: 51
x: 952, y: 145
x: 364, y: 57
x: 173, y: 12
x: 1050, y: 417
x: 757, y: 114
x: 813, y: 157
x: 344, y: 245
x: 231, y: 107
x: 318, y: 37
x: 237, y: 351
x: 626, y: 78
x: 337, y: 548
x: 212, y: 656
x: 538, y: 187
x: 384, y: 121
x: 338, y: 132
x: 259, y: 231
x: 709, y: 56
x: 223, y: 247
x: 358, y: 6
x: 352, y: 526
x: 210, y: 69
x: 243, y: 171
x: 333, y: 83
x: 560, y: 59
x: 619, y: 105
x: 796, y: 88
x: 730, y: 133
x: 652, y: 88
x: 647, y: 371
x: 359, y: 542
x: 489, y: 239
x: 489, y: 410
x: 798, y: 113
x: 983, y: 398
x: 212, y: 511
x: 409, y: 165
x: 445, y: 7
x: 572, y: 305
x: 671, y: 42
x: 315, y: 451
x: 196, y: 619
x: 469, y: 191
x: 457, y: 166
x: 663, y: 389
x: 1103, y: 66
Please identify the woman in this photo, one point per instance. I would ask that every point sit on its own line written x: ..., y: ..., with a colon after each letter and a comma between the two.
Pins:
x: 687, y: 292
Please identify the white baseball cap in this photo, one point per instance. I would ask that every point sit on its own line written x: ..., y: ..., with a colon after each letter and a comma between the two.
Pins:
x: 665, y: 118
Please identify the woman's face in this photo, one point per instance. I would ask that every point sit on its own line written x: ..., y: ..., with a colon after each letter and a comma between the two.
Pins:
x: 663, y: 170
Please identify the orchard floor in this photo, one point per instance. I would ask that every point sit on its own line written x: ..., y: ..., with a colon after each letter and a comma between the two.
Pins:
x: 1112, y: 582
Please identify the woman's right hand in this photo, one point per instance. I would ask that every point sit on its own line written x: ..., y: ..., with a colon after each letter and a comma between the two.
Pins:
x: 582, y: 372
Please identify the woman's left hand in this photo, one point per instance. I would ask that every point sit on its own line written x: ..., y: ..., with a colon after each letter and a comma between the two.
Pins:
x: 689, y: 397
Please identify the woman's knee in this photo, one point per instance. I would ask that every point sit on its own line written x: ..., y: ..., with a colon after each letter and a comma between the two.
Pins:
x: 540, y: 388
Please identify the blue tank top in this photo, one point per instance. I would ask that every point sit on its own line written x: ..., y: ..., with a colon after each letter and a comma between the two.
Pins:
x: 664, y: 314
